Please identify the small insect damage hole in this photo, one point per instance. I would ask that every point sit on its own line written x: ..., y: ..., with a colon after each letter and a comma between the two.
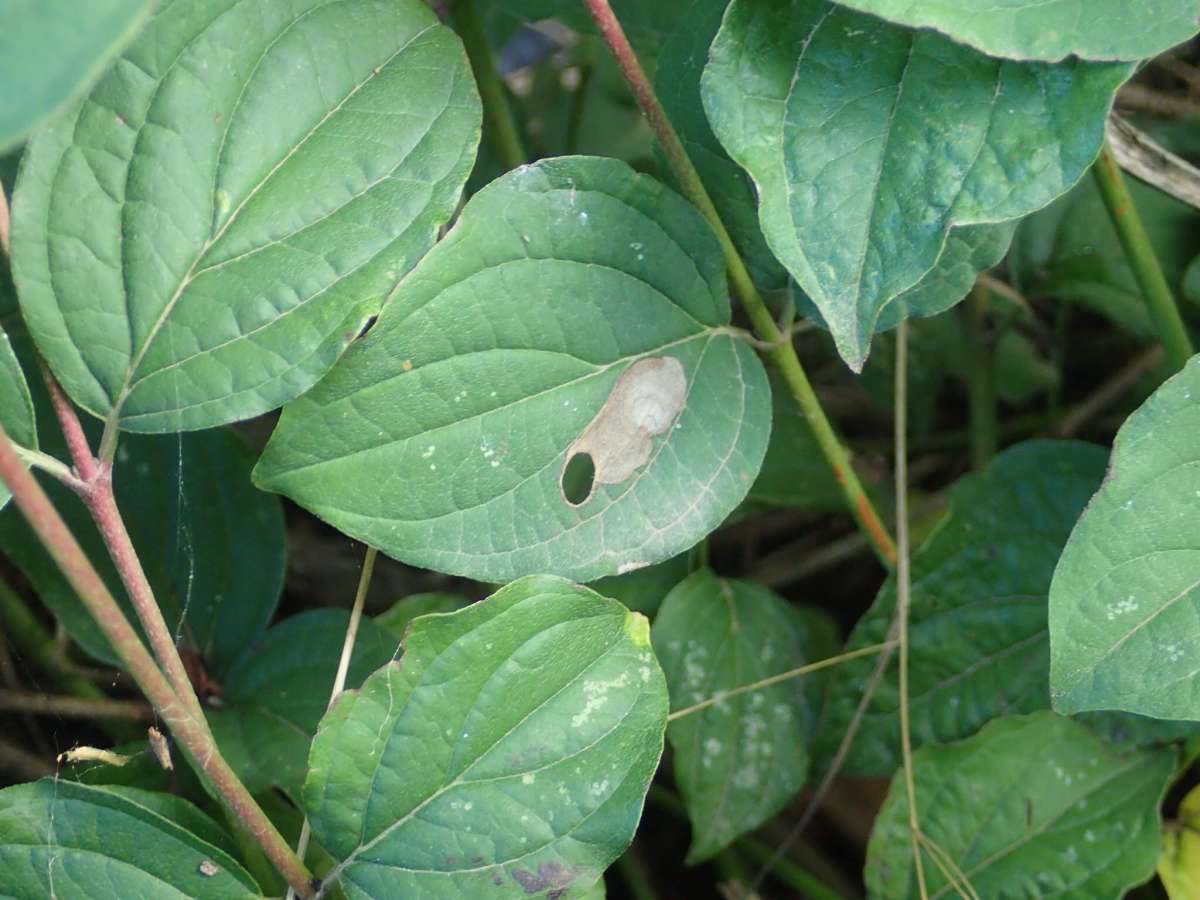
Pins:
x: 643, y: 404
x: 578, y: 479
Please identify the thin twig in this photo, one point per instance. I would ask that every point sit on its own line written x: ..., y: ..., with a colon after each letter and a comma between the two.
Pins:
x: 839, y: 758
x: 904, y: 592
x: 782, y: 353
x: 1109, y: 392
x: 1142, y: 99
x: 343, y: 669
x: 75, y: 707
x: 782, y: 676
x: 1143, y: 158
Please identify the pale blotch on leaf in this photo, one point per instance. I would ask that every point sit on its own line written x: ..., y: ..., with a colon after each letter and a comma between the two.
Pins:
x: 643, y: 404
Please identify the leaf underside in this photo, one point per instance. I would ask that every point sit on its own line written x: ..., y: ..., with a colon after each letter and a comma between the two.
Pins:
x: 870, y: 142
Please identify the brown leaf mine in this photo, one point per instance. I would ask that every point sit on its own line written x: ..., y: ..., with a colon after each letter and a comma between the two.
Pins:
x: 643, y: 404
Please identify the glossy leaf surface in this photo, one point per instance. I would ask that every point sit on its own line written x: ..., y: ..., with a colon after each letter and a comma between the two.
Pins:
x: 199, y: 241
x: 577, y: 311
x: 507, y: 753
x: 868, y: 142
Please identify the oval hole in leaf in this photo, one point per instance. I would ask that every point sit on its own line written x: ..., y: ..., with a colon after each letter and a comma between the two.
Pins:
x: 578, y: 478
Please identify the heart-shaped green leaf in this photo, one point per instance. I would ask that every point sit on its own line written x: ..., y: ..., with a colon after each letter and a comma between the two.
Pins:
x: 50, y: 50
x: 1032, y: 806
x: 508, y: 752
x: 1125, y: 596
x: 1049, y: 29
x: 200, y: 240
x: 869, y: 142
x: 977, y: 632
x: 576, y: 313
x: 275, y: 694
x: 59, y: 838
x: 741, y: 760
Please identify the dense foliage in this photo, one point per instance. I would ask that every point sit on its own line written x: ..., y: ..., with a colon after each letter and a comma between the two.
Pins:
x: 554, y: 306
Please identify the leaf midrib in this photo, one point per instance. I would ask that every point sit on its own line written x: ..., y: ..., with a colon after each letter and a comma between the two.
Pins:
x: 126, y: 388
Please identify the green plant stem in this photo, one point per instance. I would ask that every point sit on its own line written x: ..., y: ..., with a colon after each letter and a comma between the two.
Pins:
x: 983, y: 426
x: 903, y: 594
x: 1142, y: 259
x: 781, y: 351
x: 503, y: 132
x: 343, y: 669
x: 193, y: 735
x: 637, y: 879
x: 782, y: 676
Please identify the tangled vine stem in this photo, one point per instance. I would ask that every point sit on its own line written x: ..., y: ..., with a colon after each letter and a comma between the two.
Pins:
x: 782, y: 354
x: 182, y: 716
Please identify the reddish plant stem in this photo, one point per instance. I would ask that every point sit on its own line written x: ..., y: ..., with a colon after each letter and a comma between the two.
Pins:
x: 81, y: 454
x: 97, y: 494
x: 781, y: 351
x: 191, y: 732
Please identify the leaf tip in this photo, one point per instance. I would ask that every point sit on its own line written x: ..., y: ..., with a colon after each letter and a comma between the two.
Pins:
x: 637, y: 626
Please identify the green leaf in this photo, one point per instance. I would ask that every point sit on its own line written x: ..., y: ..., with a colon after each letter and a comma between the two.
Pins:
x: 508, y: 753
x: 402, y: 612
x: 276, y: 693
x: 969, y: 250
x: 644, y: 589
x: 1123, y: 605
x: 59, y: 838
x: 54, y: 49
x: 977, y: 622
x: 577, y: 311
x: 1049, y: 29
x: 210, y: 545
x: 1032, y: 806
x: 16, y: 405
x: 178, y: 284
x: 741, y: 760
x: 1179, y: 864
x: 869, y: 142
x: 1071, y: 251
